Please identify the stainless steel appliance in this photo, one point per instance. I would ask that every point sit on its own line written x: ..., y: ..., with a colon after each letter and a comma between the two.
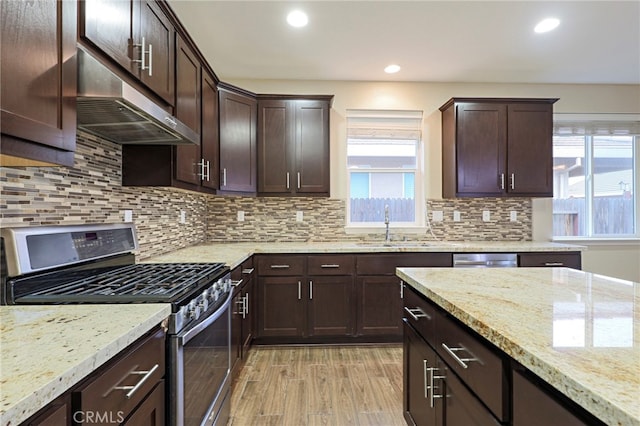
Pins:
x: 485, y: 260
x: 95, y: 264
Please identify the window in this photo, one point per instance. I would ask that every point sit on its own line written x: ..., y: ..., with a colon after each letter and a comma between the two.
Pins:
x: 383, y: 162
x: 595, y: 179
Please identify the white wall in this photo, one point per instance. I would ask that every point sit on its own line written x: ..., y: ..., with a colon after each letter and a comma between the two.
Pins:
x: 428, y: 97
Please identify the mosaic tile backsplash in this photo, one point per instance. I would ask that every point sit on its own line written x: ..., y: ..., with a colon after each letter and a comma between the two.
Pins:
x: 91, y: 192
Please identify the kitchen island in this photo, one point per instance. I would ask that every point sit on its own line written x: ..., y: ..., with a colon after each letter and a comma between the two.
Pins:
x: 576, y: 331
x: 45, y: 350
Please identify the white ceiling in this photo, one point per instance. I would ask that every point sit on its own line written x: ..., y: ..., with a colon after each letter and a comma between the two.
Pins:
x: 597, y: 42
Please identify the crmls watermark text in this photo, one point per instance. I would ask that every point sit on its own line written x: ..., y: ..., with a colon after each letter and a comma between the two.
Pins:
x: 101, y: 417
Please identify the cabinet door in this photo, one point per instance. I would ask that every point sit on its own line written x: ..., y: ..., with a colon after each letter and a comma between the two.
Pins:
x: 462, y: 408
x: 312, y: 147
x: 238, y: 150
x: 151, y: 411
x: 153, y: 25
x: 379, y: 306
x: 209, y: 136
x: 275, y: 146
x: 39, y: 80
x: 282, y: 304
x: 550, y: 259
x: 187, y: 110
x: 530, y: 149
x: 481, y: 142
x: 107, y: 24
x: 330, y: 310
x: 419, y: 402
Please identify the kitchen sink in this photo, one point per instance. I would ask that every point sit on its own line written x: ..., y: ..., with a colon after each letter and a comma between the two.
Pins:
x: 398, y: 244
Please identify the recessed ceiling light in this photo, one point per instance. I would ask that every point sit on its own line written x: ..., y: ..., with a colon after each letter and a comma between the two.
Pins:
x: 546, y: 25
x: 391, y: 69
x: 297, y: 18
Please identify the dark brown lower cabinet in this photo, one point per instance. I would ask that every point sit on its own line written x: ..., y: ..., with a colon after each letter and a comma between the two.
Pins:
x: 379, y: 307
x: 329, y: 310
x: 57, y: 413
x: 281, y: 310
x: 151, y: 411
x: 420, y: 405
x: 550, y: 259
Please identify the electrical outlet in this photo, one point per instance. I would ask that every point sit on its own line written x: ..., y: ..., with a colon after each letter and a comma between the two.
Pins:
x: 486, y: 216
x: 513, y: 216
x: 183, y: 217
x: 299, y: 216
x: 456, y: 216
x: 437, y: 216
x: 240, y: 216
x: 128, y: 216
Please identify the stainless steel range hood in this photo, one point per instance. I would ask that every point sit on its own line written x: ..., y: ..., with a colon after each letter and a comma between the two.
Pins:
x: 112, y: 109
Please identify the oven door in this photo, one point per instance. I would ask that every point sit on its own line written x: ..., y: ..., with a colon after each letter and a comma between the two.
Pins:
x: 200, y: 366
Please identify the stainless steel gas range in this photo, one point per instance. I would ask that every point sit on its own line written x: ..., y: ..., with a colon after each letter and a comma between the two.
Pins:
x: 95, y: 264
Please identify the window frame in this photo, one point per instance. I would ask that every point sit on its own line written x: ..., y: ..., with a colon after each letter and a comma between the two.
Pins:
x: 589, y: 160
x: 419, y: 173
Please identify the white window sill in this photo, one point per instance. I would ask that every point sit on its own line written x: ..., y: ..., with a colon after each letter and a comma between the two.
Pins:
x: 598, y: 241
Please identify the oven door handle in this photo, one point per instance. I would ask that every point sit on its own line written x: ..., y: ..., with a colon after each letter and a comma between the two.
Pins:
x: 190, y: 333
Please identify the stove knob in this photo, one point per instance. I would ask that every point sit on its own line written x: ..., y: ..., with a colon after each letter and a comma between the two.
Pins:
x: 204, y: 304
x: 194, y: 311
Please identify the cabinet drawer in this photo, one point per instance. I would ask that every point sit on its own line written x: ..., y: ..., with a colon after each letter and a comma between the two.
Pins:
x: 420, y: 314
x: 462, y: 408
x: 386, y: 264
x: 569, y: 260
x: 137, y: 371
x: 482, y: 369
x: 331, y: 265
x: 281, y: 265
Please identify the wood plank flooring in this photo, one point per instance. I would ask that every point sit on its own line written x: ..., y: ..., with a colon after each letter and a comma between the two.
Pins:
x: 319, y: 385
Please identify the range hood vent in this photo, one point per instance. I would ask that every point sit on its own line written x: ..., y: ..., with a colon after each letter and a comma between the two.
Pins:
x: 112, y: 109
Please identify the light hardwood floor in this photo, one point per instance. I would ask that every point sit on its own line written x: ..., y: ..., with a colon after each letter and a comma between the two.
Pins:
x: 319, y: 385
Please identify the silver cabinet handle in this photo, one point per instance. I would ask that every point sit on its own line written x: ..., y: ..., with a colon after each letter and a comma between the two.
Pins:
x: 224, y: 177
x: 298, y: 180
x: 245, y: 307
x: 513, y: 181
x: 420, y: 313
x: 501, y: 180
x: 236, y: 283
x: 288, y: 180
x: 133, y: 389
x: 279, y: 266
x: 330, y: 266
x: 310, y: 290
x: 425, y: 373
x: 248, y: 271
x: 150, y: 67
x: 401, y: 289
x: 461, y: 361
x: 208, y: 167
x: 299, y: 291
x: 553, y: 264
x: 205, y: 167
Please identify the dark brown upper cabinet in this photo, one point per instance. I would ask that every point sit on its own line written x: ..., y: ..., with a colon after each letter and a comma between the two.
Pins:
x: 494, y: 147
x: 238, y: 150
x: 135, y: 34
x: 188, y: 110
x: 39, y: 83
x: 293, y: 145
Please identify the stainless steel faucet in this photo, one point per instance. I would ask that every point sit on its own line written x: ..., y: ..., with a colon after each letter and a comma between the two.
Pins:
x: 387, y: 237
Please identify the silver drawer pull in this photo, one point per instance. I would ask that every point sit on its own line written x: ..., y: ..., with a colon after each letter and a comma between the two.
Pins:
x: 248, y: 271
x: 279, y: 266
x: 133, y: 389
x: 236, y: 283
x: 553, y: 264
x: 433, y: 387
x: 417, y: 313
x: 330, y: 265
x: 461, y: 361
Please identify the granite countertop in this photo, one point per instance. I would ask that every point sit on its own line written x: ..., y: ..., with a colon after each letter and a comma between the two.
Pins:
x: 578, y: 331
x: 45, y: 350
x: 234, y: 254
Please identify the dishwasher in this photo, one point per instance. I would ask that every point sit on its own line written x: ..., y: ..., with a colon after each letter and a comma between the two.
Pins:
x: 485, y: 260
